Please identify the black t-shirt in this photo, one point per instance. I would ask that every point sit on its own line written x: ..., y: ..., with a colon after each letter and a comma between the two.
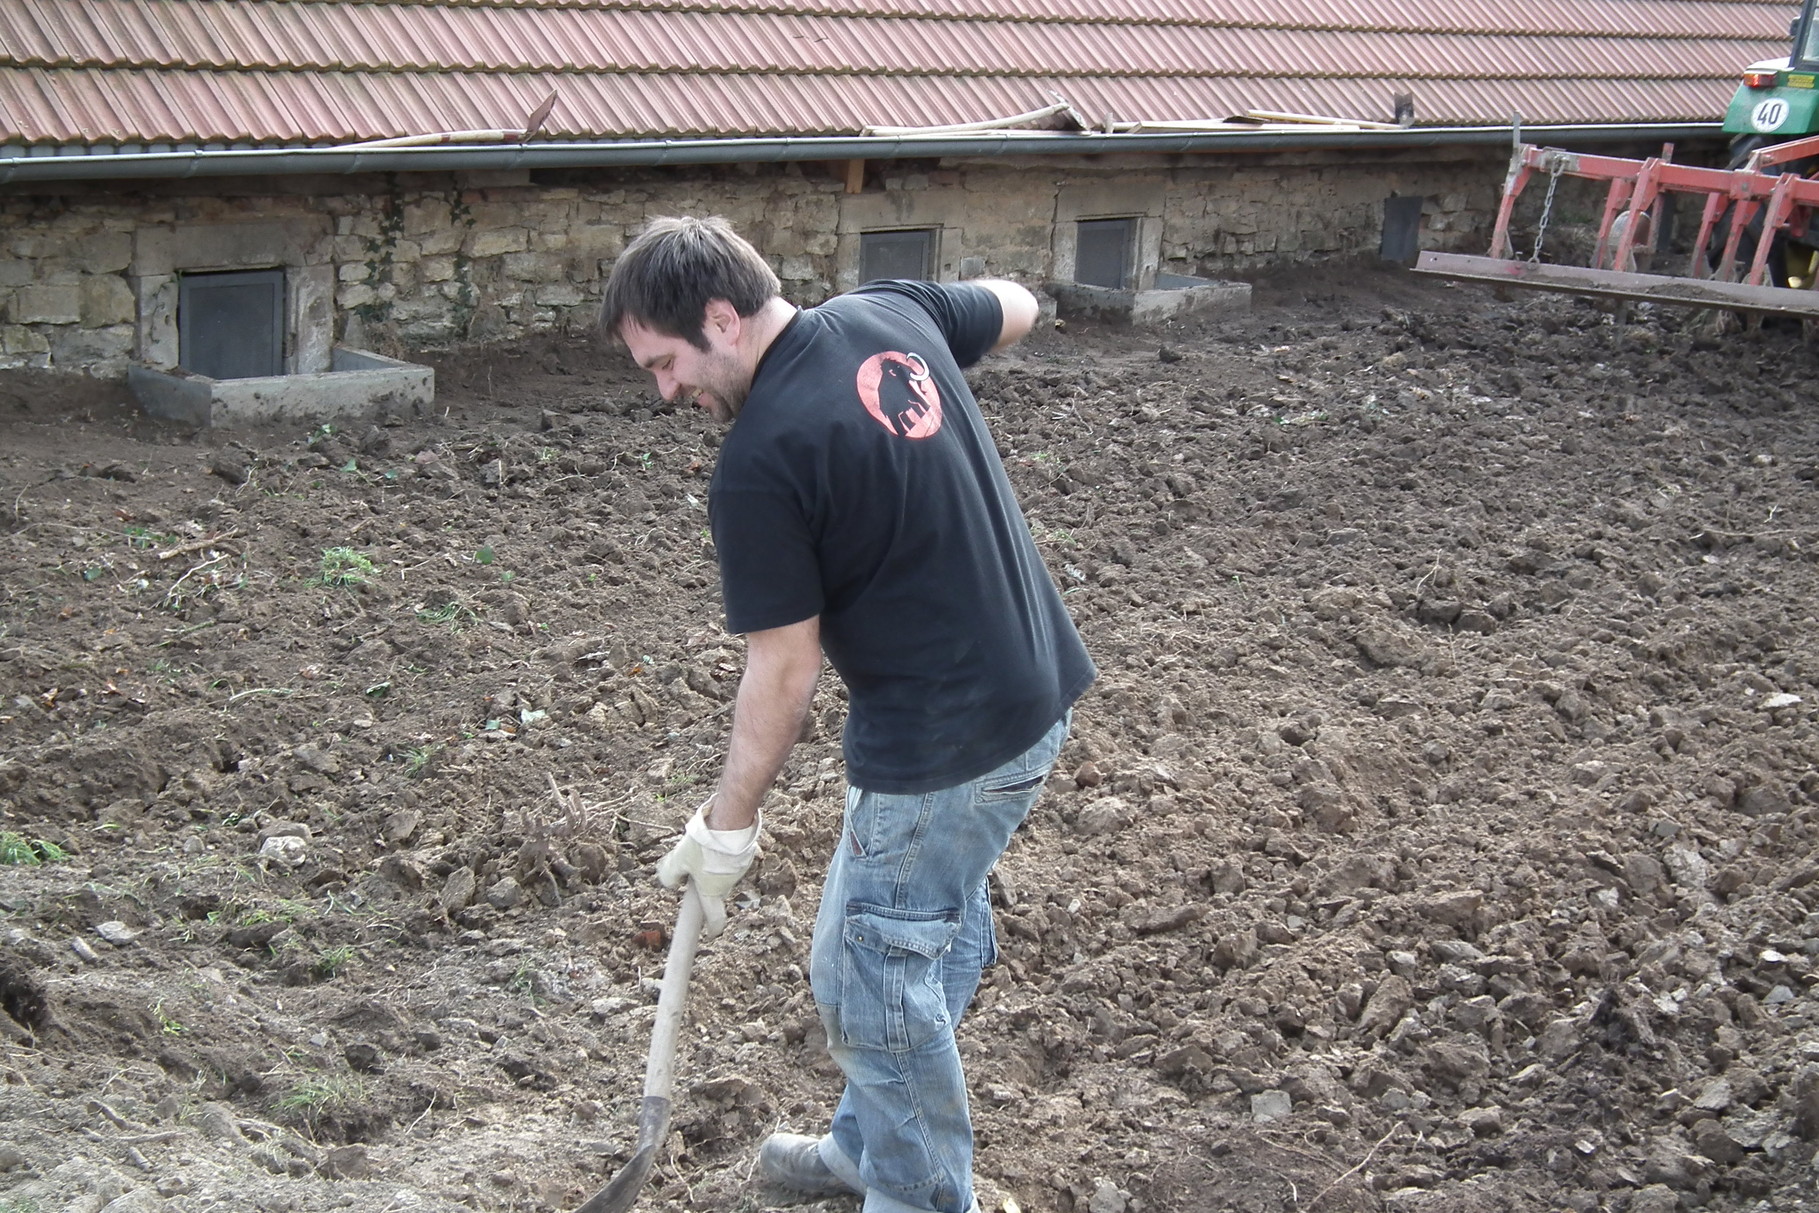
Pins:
x: 859, y: 484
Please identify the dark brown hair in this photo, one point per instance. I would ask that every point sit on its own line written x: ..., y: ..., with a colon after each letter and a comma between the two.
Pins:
x: 667, y: 275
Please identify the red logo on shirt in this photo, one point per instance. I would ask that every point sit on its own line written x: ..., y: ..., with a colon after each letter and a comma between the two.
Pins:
x: 900, y: 393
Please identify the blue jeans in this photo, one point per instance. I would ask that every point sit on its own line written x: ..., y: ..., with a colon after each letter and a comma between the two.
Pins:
x: 904, y: 931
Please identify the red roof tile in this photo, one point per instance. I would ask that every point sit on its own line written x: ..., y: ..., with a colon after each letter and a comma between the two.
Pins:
x: 326, y: 71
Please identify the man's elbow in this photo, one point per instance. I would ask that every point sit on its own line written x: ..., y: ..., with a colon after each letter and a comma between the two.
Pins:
x: 1019, y: 308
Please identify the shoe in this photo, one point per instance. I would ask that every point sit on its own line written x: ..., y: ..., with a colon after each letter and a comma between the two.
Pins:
x: 793, y: 1161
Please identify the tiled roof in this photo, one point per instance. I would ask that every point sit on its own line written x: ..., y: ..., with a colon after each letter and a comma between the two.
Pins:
x: 325, y: 71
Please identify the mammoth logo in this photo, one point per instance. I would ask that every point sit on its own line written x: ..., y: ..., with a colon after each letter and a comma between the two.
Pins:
x: 899, y: 392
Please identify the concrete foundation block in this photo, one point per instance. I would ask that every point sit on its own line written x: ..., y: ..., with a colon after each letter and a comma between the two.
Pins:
x: 358, y: 382
x: 1173, y: 295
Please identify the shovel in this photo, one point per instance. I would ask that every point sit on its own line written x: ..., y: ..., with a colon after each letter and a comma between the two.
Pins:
x: 659, y: 1072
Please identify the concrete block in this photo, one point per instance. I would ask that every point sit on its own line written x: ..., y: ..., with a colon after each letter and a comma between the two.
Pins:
x: 60, y: 304
x: 357, y: 383
x: 249, y: 244
x: 107, y: 299
x: 312, y: 310
x: 157, y: 303
x: 1174, y: 295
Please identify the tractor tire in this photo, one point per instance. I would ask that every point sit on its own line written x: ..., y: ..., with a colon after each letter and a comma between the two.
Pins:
x: 1741, y: 149
x: 1745, y: 146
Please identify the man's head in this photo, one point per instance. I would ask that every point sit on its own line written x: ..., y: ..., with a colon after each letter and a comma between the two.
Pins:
x: 668, y: 273
x: 677, y: 298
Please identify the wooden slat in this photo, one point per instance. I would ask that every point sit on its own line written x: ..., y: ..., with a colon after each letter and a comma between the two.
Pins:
x: 1650, y: 288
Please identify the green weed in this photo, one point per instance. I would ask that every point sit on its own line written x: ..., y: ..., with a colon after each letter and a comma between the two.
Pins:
x: 314, y: 1096
x: 168, y: 1024
x: 143, y: 538
x: 337, y: 958
x: 417, y: 760
x: 18, y: 850
x: 346, y: 567
x: 452, y: 613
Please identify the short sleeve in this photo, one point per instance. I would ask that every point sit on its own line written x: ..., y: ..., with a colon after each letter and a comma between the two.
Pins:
x: 969, y: 316
x: 769, y: 574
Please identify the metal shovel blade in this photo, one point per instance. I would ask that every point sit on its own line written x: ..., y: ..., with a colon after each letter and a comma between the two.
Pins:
x: 660, y: 1071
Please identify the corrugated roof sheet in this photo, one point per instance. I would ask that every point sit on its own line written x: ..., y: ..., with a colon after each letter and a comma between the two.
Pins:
x: 327, y: 71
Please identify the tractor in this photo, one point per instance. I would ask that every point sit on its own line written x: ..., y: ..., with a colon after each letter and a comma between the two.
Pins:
x: 1779, y: 98
x: 1765, y: 188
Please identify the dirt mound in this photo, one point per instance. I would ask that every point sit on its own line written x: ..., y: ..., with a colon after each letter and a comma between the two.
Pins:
x: 1439, y: 836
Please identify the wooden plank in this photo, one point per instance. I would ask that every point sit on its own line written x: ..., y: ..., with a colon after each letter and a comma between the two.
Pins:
x: 1650, y: 288
x: 855, y: 176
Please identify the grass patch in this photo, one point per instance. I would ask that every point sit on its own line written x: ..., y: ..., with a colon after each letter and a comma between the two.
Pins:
x: 324, y: 1094
x: 19, y: 851
x: 417, y: 760
x: 346, y: 567
x: 337, y: 958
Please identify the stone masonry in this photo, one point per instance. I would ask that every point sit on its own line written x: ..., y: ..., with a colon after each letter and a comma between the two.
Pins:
x: 400, y: 263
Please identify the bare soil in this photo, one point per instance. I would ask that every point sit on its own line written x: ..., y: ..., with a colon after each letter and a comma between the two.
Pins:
x: 1439, y: 836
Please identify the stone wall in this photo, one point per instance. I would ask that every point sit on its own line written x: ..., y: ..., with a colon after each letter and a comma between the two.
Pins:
x: 423, y: 261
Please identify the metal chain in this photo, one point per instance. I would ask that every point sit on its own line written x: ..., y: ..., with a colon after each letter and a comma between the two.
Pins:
x: 1556, y: 166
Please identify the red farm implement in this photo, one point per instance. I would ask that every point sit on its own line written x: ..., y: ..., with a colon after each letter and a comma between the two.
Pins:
x: 1750, y: 216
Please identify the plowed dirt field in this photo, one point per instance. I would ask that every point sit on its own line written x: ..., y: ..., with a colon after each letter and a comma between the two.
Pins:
x: 1440, y: 835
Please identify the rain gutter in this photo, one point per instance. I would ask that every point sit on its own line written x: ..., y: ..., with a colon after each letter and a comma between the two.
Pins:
x: 79, y: 164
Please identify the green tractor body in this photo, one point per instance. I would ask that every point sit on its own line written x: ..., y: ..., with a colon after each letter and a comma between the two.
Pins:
x: 1779, y: 99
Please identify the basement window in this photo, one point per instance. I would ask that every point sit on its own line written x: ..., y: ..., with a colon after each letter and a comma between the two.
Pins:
x: 1104, y: 250
x: 900, y: 254
x: 1401, y: 229
x: 231, y: 325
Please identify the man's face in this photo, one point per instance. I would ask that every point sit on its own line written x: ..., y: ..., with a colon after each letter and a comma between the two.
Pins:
x: 716, y: 379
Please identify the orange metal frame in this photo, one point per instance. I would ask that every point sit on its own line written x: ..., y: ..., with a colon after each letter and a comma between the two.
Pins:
x: 1785, y: 200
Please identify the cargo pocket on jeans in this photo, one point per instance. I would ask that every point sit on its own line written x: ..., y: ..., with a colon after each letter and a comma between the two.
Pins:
x: 890, y: 977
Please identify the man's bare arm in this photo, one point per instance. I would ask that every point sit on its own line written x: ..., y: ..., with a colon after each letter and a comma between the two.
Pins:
x: 1019, y: 309
x: 781, y: 668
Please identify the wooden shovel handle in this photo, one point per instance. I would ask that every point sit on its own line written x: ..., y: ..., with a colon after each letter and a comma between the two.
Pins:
x: 660, y: 1071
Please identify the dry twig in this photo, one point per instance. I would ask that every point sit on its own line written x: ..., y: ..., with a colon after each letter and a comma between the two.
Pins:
x: 1357, y: 1167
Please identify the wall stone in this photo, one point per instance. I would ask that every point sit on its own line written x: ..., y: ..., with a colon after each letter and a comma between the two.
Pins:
x: 106, y: 299
x: 48, y: 305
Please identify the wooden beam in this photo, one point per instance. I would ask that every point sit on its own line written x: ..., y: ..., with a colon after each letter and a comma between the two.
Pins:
x: 855, y: 176
x: 1650, y: 288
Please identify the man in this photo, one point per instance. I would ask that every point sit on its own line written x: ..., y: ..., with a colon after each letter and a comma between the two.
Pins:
x: 859, y: 510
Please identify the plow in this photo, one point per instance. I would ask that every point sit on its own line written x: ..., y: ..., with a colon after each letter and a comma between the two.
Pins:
x: 1750, y: 254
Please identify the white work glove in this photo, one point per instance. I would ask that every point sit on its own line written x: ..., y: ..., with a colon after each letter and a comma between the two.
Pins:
x: 714, y: 860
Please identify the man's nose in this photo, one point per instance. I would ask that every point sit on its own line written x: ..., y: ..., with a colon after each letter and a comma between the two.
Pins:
x: 666, y: 386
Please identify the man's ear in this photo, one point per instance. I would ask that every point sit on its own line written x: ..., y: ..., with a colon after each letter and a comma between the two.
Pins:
x: 723, y: 318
